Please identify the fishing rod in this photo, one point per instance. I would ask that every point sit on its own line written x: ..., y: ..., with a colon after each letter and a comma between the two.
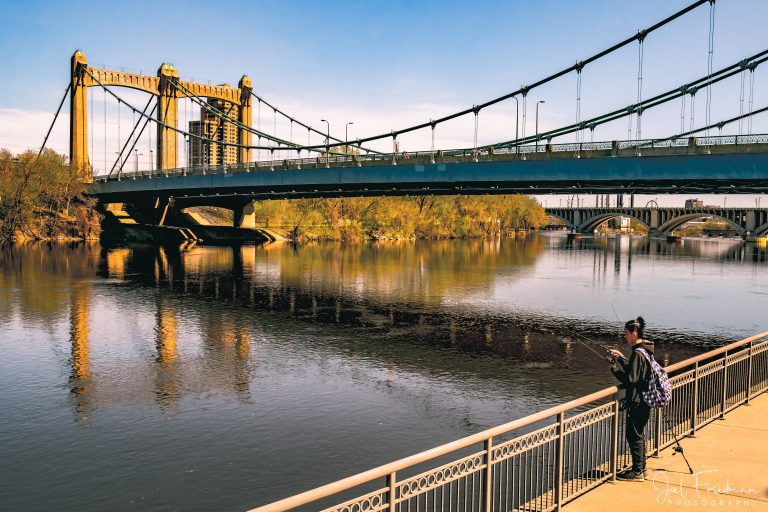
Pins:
x: 602, y: 356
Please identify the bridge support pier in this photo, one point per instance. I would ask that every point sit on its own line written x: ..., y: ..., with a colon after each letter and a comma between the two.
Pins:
x: 245, y: 216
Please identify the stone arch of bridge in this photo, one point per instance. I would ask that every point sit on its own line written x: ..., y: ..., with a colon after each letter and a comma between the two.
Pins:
x: 591, y: 224
x: 675, y: 222
x: 568, y: 223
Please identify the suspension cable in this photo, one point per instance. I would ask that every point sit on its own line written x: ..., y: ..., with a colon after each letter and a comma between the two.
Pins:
x: 136, y: 140
x: 709, y: 127
x: 55, y: 116
x: 284, y: 144
x: 525, y: 89
x: 218, y: 113
x: 120, y: 155
x: 308, y: 127
x: 173, y: 128
x: 659, y: 99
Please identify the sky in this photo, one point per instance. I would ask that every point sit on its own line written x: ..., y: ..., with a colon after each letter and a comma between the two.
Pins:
x: 380, y: 65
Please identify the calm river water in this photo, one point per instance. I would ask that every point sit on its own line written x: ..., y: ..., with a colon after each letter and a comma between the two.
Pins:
x: 222, y: 378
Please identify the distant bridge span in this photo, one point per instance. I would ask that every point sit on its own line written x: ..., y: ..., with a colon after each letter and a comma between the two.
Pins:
x: 663, y: 221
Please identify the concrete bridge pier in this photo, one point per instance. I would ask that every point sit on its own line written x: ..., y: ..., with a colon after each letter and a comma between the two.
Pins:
x: 245, y: 215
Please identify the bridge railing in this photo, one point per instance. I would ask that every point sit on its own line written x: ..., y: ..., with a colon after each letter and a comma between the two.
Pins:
x: 544, y: 460
x: 452, y: 155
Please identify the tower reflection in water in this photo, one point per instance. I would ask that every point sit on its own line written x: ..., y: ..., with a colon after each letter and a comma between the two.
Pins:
x: 80, y: 376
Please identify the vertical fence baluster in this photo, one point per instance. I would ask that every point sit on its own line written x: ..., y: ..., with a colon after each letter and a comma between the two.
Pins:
x: 614, y: 461
x: 725, y: 385
x: 559, y: 467
x: 695, y: 401
x: 749, y: 373
x: 657, y: 435
x: 488, y: 474
x: 392, y: 484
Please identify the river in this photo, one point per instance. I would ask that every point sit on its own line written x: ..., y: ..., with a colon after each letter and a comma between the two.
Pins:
x: 218, y: 377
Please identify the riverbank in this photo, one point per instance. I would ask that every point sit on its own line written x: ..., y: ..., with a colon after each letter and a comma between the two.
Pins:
x: 394, y: 218
x: 43, y: 198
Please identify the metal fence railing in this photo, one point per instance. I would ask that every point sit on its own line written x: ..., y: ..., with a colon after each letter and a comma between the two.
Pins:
x: 565, y: 150
x: 544, y: 460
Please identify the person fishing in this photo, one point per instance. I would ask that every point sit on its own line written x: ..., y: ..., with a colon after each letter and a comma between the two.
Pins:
x: 634, y: 373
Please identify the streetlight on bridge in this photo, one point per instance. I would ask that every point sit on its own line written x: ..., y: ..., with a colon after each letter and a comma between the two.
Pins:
x: 346, y: 136
x: 537, y: 123
x: 327, y: 134
x: 136, y: 160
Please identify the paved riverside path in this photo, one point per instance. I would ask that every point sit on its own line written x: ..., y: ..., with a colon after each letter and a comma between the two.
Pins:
x: 729, y: 457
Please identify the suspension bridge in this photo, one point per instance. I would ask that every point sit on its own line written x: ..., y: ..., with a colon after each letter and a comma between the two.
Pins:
x: 204, y: 147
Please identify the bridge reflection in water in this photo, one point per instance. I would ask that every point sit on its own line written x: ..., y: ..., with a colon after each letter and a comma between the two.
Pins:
x: 439, y: 338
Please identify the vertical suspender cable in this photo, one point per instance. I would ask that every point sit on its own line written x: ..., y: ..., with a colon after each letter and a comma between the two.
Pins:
x: 274, y: 129
x: 578, y: 102
x: 91, y: 160
x: 151, y: 163
x: 525, y: 98
x: 258, y: 125
x: 433, y: 136
x: 186, y: 127
x: 641, y: 39
x: 104, y: 89
x: 741, y: 99
x: 476, y: 123
x: 682, y: 113
x: 751, y: 98
x: 693, y: 107
x: 119, y: 144
x: 709, y: 59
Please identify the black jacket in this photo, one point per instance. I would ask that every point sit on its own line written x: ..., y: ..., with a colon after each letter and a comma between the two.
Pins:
x: 634, y: 374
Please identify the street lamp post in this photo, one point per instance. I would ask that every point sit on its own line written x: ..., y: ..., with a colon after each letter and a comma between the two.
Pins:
x: 346, y: 135
x: 151, y: 162
x: 136, y: 160
x: 327, y: 133
x: 537, y: 123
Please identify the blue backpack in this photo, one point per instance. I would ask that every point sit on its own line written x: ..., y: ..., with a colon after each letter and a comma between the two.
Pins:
x: 659, y: 391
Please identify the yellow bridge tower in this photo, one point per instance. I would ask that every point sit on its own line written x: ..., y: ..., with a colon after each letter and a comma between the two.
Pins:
x: 166, y: 86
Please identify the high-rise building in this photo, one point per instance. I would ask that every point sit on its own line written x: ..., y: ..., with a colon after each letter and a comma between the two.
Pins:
x: 216, y: 130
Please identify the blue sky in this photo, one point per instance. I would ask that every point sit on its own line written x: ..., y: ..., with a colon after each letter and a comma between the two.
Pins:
x: 382, y: 65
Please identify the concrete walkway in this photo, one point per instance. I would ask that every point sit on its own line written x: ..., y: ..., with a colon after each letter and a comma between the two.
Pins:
x: 730, y: 461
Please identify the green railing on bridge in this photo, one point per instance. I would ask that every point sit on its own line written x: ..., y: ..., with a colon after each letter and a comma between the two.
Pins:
x: 544, y: 460
x: 729, y: 143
